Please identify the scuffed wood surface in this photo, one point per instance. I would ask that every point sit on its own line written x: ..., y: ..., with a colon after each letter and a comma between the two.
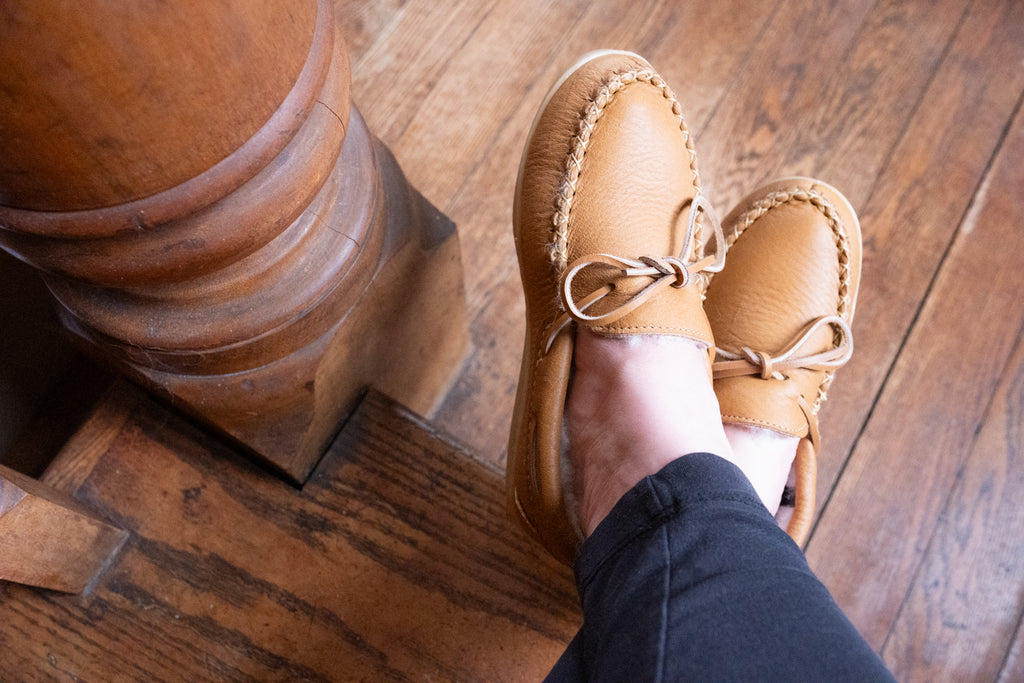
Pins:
x: 49, y: 540
x: 907, y: 107
x: 897, y: 518
x: 394, y: 562
x: 912, y: 109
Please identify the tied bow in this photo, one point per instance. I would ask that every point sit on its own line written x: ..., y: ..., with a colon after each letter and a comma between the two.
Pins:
x: 751, y: 362
x: 663, y: 271
x: 766, y: 366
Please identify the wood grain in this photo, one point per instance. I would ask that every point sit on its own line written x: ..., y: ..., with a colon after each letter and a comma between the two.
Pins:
x: 965, y: 605
x: 926, y: 419
x: 865, y: 104
x: 802, y: 45
x: 908, y: 107
x: 365, y: 21
x: 917, y: 202
x: 395, y: 562
x: 902, y: 105
x: 73, y: 139
x: 256, y: 292
x: 49, y: 540
x: 76, y: 460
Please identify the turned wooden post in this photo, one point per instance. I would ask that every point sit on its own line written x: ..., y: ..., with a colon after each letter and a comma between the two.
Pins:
x: 214, y: 218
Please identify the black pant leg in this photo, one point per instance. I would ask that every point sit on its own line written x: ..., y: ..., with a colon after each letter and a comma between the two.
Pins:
x: 689, y: 578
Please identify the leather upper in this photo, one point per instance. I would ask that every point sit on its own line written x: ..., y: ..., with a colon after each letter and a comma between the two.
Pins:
x: 780, y: 311
x: 794, y: 257
x: 608, y: 169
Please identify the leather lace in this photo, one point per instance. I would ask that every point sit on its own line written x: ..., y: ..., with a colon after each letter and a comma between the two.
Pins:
x: 662, y: 271
x: 767, y: 366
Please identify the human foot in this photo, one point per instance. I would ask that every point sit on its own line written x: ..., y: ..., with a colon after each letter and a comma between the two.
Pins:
x: 780, y: 313
x: 635, y: 405
x: 766, y: 457
x: 609, y: 229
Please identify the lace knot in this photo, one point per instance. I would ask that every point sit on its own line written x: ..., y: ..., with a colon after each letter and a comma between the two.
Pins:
x: 794, y: 357
x: 764, y: 361
x: 668, y: 266
x: 662, y: 271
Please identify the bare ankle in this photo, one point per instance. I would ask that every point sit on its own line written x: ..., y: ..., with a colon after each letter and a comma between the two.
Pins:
x: 766, y: 457
x: 635, y: 405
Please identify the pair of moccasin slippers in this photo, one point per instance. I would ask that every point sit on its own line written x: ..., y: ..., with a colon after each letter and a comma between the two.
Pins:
x: 613, y: 233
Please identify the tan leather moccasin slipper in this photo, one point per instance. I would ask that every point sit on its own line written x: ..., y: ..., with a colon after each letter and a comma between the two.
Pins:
x: 781, y: 314
x: 609, y: 228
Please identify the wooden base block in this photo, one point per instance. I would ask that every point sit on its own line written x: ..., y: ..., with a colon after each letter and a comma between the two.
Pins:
x: 407, y: 334
x: 394, y: 562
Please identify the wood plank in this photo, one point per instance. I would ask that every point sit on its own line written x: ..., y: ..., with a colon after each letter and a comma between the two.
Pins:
x: 364, y: 21
x: 1013, y: 666
x: 49, y: 540
x: 965, y: 604
x: 479, y: 407
x: 702, y: 50
x: 437, y: 141
x: 917, y: 202
x: 864, y: 106
x: 75, y: 462
x: 880, y: 98
x: 871, y: 537
x: 757, y: 123
x: 395, y: 562
x: 405, y: 63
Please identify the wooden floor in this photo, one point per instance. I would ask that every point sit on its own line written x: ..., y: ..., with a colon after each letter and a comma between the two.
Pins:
x: 394, y: 562
x: 911, y: 108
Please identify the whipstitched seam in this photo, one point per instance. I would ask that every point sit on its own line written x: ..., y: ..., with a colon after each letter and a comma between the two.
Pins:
x: 558, y: 248
x: 839, y: 236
